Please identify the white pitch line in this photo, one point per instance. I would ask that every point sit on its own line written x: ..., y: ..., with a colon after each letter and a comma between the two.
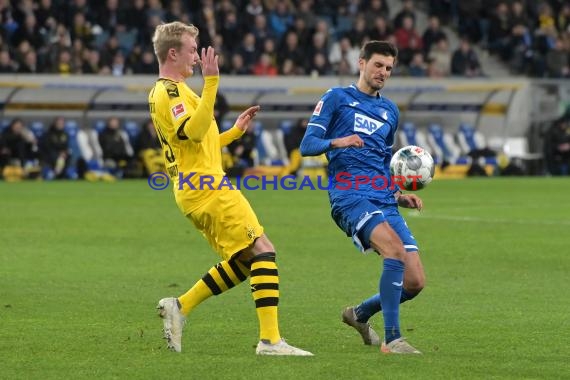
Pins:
x: 491, y: 220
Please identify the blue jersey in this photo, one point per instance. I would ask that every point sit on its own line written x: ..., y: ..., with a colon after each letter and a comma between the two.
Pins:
x: 362, y: 172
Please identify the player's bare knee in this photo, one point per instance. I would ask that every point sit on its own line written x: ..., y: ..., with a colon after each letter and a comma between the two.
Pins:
x: 414, y: 286
x: 262, y: 244
x: 393, y: 252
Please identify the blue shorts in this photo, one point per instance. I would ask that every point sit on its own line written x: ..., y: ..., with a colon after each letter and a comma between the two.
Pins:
x: 357, y: 217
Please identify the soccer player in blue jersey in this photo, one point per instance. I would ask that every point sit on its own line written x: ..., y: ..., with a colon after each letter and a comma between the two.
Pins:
x: 355, y: 126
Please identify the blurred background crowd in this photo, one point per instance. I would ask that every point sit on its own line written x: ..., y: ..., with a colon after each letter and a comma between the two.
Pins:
x: 436, y: 39
x: 287, y: 37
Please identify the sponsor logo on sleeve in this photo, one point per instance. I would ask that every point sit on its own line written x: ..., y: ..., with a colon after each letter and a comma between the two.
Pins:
x: 178, y: 110
x: 318, y: 108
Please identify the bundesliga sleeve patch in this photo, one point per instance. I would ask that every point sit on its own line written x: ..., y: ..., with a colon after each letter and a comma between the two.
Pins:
x: 318, y: 108
x: 178, y: 110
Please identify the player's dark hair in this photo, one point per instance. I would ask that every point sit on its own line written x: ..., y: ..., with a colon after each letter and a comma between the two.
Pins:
x: 378, y: 47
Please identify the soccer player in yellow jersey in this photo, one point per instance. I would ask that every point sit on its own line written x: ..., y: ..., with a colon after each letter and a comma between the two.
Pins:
x: 192, y: 146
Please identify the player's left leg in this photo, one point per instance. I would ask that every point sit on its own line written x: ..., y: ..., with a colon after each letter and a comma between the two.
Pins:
x: 414, y: 275
x: 264, y: 281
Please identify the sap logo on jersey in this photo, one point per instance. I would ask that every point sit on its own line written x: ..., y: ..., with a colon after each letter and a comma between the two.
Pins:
x: 365, y: 124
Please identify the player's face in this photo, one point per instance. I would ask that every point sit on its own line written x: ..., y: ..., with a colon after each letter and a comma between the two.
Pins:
x: 376, y: 71
x: 187, y: 56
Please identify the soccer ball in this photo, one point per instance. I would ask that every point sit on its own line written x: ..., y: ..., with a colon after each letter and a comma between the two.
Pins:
x: 412, y: 168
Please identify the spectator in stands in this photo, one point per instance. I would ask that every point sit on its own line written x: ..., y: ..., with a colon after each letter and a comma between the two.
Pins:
x: 90, y: 165
x: 306, y: 15
x: 499, y: 33
x: 464, y: 61
x: 281, y: 18
x: 380, y: 29
x: 470, y: 19
x: 342, y: 50
x: 439, y: 59
x: 64, y: 64
x: 117, y: 150
x: 252, y: 10
x: 318, y: 47
x: 408, y: 10
x: 7, y: 65
x: 92, y: 62
x: 288, y: 67
x: 148, y: 149
x: 29, y: 65
x: 221, y: 109
x: 264, y: 66
x: 557, y: 61
x: 261, y: 31
x: 231, y: 29
x: 563, y: 19
x: 242, y: 152
x: 248, y: 51
x: 18, y: 152
x: 418, y: 67
x: 301, y: 29
x: 54, y: 150
x: 28, y: 31
x: 238, y: 66
x: 358, y: 33
x: 408, y: 40
x: 291, y: 50
x: 557, y: 146
x: 320, y: 65
x: 146, y: 64
x: 432, y: 34
x: 292, y: 141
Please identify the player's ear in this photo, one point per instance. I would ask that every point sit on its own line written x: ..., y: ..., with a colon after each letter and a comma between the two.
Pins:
x: 172, y: 53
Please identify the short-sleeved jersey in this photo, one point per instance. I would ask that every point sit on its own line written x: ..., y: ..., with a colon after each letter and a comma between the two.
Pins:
x: 345, y: 111
x: 172, y: 104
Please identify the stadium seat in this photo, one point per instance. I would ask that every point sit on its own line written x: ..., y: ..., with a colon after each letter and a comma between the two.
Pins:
x: 274, y: 147
x: 71, y: 128
x: 133, y: 130
x: 38, y: 128
x: 285, y: 126
x: 443, y: 147
x: 408, y: 134
x: 99, y: 125
x: 517, y: 147
x: 471, y: 140
x: 226, y: 124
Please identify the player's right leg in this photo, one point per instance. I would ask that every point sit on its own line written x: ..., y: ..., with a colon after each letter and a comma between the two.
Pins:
x: 225, y: 236
x: 173, y: 311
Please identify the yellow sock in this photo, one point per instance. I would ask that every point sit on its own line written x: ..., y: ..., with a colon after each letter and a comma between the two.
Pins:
x: 221, y: 277
x: 265, y: 290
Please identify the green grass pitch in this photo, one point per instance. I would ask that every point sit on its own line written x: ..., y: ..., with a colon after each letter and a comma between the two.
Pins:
x: 82, y: 266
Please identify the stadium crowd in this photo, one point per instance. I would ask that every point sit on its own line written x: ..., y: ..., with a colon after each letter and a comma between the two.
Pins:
x: 284, y: 37
x: 254, y: 37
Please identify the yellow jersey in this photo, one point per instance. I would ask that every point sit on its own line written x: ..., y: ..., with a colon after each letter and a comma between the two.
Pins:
x: 190, y: 140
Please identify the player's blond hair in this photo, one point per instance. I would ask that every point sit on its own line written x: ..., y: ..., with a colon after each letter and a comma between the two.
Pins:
x: 168, y: 36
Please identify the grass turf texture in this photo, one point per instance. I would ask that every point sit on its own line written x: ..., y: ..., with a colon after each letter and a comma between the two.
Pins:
x: 82, y: 266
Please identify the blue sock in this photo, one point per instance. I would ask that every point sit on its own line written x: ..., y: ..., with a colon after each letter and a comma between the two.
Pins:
x: 391, y: 283
x: 372, y: 305
x: 368, y: 308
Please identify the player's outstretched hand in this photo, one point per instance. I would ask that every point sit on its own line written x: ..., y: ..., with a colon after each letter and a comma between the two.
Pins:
x: 410, y: 201
x: 244, y: 120
x: 209, y: 62
x: 348, y: 141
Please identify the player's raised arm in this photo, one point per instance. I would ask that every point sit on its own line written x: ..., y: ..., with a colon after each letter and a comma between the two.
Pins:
x: 197, y: 126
